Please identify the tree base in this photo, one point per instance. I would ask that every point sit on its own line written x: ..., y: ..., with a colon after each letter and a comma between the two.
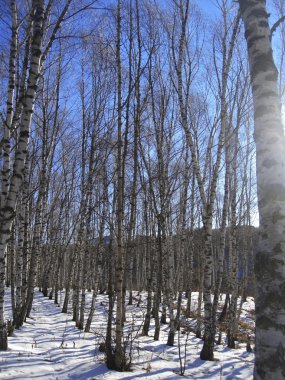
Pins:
x: 207, y: 352
x: 3, y: 338
x: 170, y: 340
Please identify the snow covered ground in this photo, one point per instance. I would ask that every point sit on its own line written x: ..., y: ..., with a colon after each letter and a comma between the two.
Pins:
x: 49, y: 346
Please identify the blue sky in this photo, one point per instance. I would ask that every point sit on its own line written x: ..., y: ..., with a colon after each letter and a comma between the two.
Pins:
x: 208, y: 6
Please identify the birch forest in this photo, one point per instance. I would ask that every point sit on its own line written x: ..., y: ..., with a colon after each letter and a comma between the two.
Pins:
x: 142, y: 158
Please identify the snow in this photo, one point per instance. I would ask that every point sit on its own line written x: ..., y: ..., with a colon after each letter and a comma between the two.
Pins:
x: 49, y: 346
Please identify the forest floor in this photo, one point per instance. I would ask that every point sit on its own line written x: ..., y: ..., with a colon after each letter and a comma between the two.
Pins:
x: 49, y: 346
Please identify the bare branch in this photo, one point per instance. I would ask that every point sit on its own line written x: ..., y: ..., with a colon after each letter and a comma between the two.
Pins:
x: 275, y: 26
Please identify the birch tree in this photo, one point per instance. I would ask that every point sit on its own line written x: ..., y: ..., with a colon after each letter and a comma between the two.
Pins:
x: 8, y: 207
x: 39, y: 16
x: 207, y: 181
x: 270, y: 163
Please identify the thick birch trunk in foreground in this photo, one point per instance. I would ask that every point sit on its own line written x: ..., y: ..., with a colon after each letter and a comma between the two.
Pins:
x: 10, y: 105
x: 270, y: 162
x: 7, y: 212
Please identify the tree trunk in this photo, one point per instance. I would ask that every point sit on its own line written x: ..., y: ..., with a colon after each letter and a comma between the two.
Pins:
x: 270, y: 163
x: 7, y: 212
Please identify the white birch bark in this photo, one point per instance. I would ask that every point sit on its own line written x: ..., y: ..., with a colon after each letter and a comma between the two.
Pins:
x: 7, y: 212
x: 10, y: 105
x: 207, y: 197
x: 270, y: 163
